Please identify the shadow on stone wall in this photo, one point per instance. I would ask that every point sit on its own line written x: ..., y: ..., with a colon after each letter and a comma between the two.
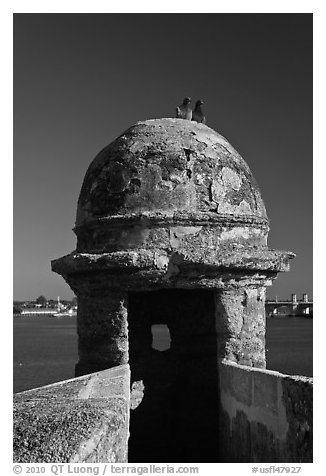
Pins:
x: 265, y: 416
x: 177, y: 414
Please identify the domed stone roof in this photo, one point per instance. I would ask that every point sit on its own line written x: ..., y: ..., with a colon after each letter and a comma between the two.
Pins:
x: 168, y: 166
x: 170, y: 184
x: 170, y: 203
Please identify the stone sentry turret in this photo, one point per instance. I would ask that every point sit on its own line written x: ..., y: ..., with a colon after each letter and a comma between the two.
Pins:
x: 171, y: 229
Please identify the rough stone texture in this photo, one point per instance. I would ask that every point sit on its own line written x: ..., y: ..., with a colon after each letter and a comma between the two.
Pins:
x: 102, y: 330
x: 168, y: 196
x: 81, y: 420
x: 240, y: 321
x: 298, y: 401
x: 171, y: 229
x: 170, y: 192
x: 265, y: 416
x: 168, y: 165
x: 170, y: 204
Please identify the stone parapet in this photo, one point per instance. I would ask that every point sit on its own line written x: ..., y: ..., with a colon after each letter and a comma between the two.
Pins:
x: 265, y: 416
x: 81, y: 420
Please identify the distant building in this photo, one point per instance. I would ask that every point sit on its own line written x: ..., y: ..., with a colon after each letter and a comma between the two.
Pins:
x: 33, y: 311
x: 292, y: 307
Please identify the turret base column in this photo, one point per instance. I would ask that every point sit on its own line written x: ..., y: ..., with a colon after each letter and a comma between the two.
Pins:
x: 240, y: 321
x: 102, y: 331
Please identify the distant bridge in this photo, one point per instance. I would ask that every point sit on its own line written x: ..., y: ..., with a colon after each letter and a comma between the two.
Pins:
x: 292, y: 307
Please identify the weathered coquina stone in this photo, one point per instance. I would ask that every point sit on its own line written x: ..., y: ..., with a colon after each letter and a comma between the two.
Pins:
x: 171, y: 229
x: 170, y: 204
x: 103, y: 332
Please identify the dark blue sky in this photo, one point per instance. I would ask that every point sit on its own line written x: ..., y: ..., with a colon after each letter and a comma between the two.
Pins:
x: 82, y: 79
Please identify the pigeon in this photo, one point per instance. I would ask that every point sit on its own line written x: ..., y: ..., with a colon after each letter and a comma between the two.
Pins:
x: 184, y: 111
x: 197, y: 113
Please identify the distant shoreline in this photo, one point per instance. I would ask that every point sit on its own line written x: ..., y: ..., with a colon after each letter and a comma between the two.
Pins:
x: 53, y: 313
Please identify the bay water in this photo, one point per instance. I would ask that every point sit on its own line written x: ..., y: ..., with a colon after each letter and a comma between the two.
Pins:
x: 45, y: 348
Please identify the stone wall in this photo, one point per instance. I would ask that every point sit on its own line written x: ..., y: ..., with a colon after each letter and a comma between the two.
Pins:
x: 81, y: 420
x: 265, y: 416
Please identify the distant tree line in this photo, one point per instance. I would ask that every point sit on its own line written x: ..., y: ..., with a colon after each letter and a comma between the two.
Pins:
x: 41, y: 301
